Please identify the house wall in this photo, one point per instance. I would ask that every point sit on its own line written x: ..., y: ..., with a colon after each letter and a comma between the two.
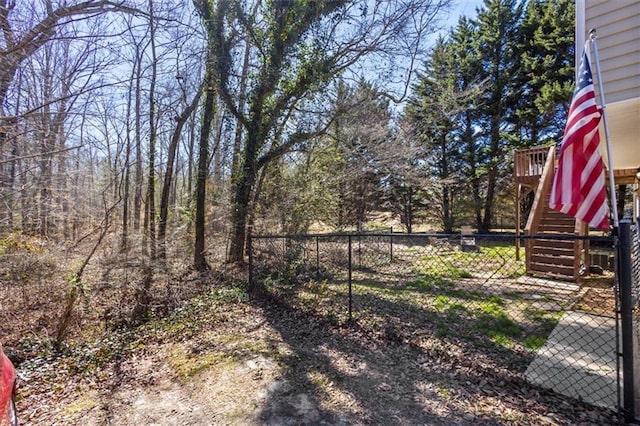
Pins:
x: 617, y: 23
x: 618, y: 27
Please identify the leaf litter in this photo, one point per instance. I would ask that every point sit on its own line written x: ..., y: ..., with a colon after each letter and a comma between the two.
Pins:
x: 222, y: 358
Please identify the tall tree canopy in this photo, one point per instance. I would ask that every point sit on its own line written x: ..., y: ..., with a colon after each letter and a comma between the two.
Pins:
x: 499, y: 82
x: 296, y: 48
x: 269, y: 106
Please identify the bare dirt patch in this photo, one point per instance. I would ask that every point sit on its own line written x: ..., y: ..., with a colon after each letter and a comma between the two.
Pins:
x: 598, y: 296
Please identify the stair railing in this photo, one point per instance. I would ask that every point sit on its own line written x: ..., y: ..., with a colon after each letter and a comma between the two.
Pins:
x: 538, y: 207
x: 544, y: 186
x: 529, y: 162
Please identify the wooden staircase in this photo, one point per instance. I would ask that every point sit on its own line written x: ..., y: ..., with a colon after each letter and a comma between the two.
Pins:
x: 553, y: 258
x: 546, y: 257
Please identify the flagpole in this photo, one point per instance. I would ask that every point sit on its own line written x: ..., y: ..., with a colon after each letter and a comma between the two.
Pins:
x: 612, y: 185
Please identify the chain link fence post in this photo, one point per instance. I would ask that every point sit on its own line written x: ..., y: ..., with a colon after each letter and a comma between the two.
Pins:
x: 349, y: 279
x: 391, y: 244
x: 317, y: 256
x: 250, y: 265
x: 626, y: 307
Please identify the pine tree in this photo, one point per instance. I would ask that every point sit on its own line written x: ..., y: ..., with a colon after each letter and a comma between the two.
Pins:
x: 498, y: 33
x: 433, y: 111
x: 547, y: 46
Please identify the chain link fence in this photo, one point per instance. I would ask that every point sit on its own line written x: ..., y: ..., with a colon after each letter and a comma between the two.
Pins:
x: 440, y: 293
x: 631, y: 338
x: 635, y: 267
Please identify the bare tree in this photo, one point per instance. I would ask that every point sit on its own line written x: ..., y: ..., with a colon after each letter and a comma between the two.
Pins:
x: 18, y: 45
x: 298, y: 48
x: 150, y: 209
x: 169, y: 172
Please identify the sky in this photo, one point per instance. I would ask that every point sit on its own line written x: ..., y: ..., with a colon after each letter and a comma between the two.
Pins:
x: 458, y: 9
x: 462, y: 8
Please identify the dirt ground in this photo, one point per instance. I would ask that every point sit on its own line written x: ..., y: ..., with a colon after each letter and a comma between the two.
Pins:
x: 224, y: 359
x: 214, y: 356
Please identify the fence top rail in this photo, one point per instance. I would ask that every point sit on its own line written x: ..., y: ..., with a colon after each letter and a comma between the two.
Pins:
x: 560, y: 237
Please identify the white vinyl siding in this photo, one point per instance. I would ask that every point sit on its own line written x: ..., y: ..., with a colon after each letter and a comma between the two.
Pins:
x: 618, y: 27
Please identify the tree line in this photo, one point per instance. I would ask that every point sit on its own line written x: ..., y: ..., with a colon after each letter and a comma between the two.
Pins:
x: 223, y: 117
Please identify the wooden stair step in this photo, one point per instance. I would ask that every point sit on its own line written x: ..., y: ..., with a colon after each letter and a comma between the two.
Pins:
x: 562, y: 222
x: 556, y: 213
x: 552, y: 251
x: 552, y: 214
x: 552, y: 268
x: 541, y: 242
x: 549, y: 259
x: 556, y: 228
x: 552, y: 276
x: 558, y: 219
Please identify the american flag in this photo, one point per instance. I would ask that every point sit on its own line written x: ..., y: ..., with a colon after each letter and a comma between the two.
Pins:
x: 578, y: 186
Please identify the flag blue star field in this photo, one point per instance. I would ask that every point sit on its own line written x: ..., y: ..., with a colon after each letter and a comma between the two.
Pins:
x: 578, y: 185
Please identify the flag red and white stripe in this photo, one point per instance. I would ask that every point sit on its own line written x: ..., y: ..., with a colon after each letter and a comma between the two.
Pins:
x: 579, y: 185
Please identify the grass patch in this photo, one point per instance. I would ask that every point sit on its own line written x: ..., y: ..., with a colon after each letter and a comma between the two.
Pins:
x: 499, y: 260
x: 501, y: 339
x: 499, y: 252
x: 494, y: 321
x: 441, y: 302
x: 543, y: 320
x: 534, y: 342
x: 83, y: 404
x: 423, y: 284
x: 441, y: 330
x: 379, y: 288
x: 442, y: 270
x: 186, y: 366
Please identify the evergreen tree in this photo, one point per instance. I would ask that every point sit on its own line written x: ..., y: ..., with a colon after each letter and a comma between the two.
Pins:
x: 498, y: 33
x: 547, y: 74
x: 362, y: 137
x: 433, y: 111
x: 468, y: 76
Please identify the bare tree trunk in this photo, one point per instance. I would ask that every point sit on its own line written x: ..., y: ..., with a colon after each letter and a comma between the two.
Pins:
x: 25, y: 203
x: 199, y: 261
x: 218, y: 153
x: 47, y: 147
x: 254, y: 202
x: 75, y: 227
x: 11, y: 182
x: 62, y: 184
x: 237, y: 143
x: 9, y: 133
x: 58, y: 127
x: 75, y: 283
x: 150, y: 218
x: 124, y: 243
x: 168, y: 175
x: 241, y: 202
x: 190, y: 164
x: 137, y: 198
